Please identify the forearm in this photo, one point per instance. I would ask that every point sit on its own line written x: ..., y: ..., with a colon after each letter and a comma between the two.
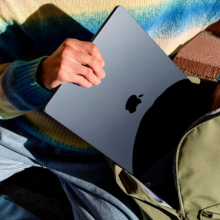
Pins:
x: 20, y: 91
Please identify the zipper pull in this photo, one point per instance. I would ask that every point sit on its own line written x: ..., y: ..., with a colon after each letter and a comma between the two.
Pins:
x: 181, y: 216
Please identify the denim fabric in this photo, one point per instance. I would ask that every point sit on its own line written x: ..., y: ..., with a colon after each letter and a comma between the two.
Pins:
x: 87, y: 180
x: 11, y: 211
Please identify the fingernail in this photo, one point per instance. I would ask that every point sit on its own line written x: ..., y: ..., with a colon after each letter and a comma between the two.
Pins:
x: 98, y: 80
x: 103, y: 74
x: 103, y: 63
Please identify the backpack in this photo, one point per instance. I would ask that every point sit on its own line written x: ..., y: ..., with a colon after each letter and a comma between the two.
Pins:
x: 196, y: 166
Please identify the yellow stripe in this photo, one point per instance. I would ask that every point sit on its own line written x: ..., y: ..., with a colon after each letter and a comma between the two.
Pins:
x: 53, y: 130
x: 22, y: 9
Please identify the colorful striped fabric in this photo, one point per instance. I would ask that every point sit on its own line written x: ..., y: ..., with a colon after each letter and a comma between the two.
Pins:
x: 32, y: 30
x: 169, y: 22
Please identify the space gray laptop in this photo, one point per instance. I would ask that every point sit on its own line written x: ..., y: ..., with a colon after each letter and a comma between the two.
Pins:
x: 137, y: 72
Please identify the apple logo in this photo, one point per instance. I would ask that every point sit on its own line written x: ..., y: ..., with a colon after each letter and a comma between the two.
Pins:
x: 132, y: 103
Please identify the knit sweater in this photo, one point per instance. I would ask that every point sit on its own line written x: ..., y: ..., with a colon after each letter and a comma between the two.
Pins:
x: 30, y: 31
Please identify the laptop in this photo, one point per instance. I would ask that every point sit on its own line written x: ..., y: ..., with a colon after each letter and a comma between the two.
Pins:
x: 137, y: 72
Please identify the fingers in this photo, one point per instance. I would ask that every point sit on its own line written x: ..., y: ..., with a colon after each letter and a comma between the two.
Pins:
x: 93, y: 50
x: 68, y: 64
x: 92, y: 62
x: 81, y: 81
x: 76, y: 56
x: 88, y: 74
x: 74, y: 68
x: 69, y: 69
x: 85, y: 47
x: 65, y: 76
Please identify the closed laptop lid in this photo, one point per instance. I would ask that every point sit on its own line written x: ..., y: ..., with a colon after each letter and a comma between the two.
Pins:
x: 137, y: 72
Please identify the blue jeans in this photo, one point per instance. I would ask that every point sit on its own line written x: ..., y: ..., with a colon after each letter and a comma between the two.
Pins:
x: 87, y: 180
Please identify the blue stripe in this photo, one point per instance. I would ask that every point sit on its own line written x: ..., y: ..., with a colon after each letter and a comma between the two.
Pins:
x: 170, y: 18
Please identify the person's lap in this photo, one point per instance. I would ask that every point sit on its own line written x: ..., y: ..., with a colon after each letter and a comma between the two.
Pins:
x: 86, y: 179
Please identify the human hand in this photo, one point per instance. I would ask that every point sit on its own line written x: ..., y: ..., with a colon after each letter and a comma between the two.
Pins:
x: 215, y: 102
x: 74, y: 61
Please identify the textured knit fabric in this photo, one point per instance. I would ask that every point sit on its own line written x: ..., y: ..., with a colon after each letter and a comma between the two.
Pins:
x: 30, y: 31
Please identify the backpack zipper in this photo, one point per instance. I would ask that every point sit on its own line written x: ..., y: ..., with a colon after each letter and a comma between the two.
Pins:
x: 181, y: 216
